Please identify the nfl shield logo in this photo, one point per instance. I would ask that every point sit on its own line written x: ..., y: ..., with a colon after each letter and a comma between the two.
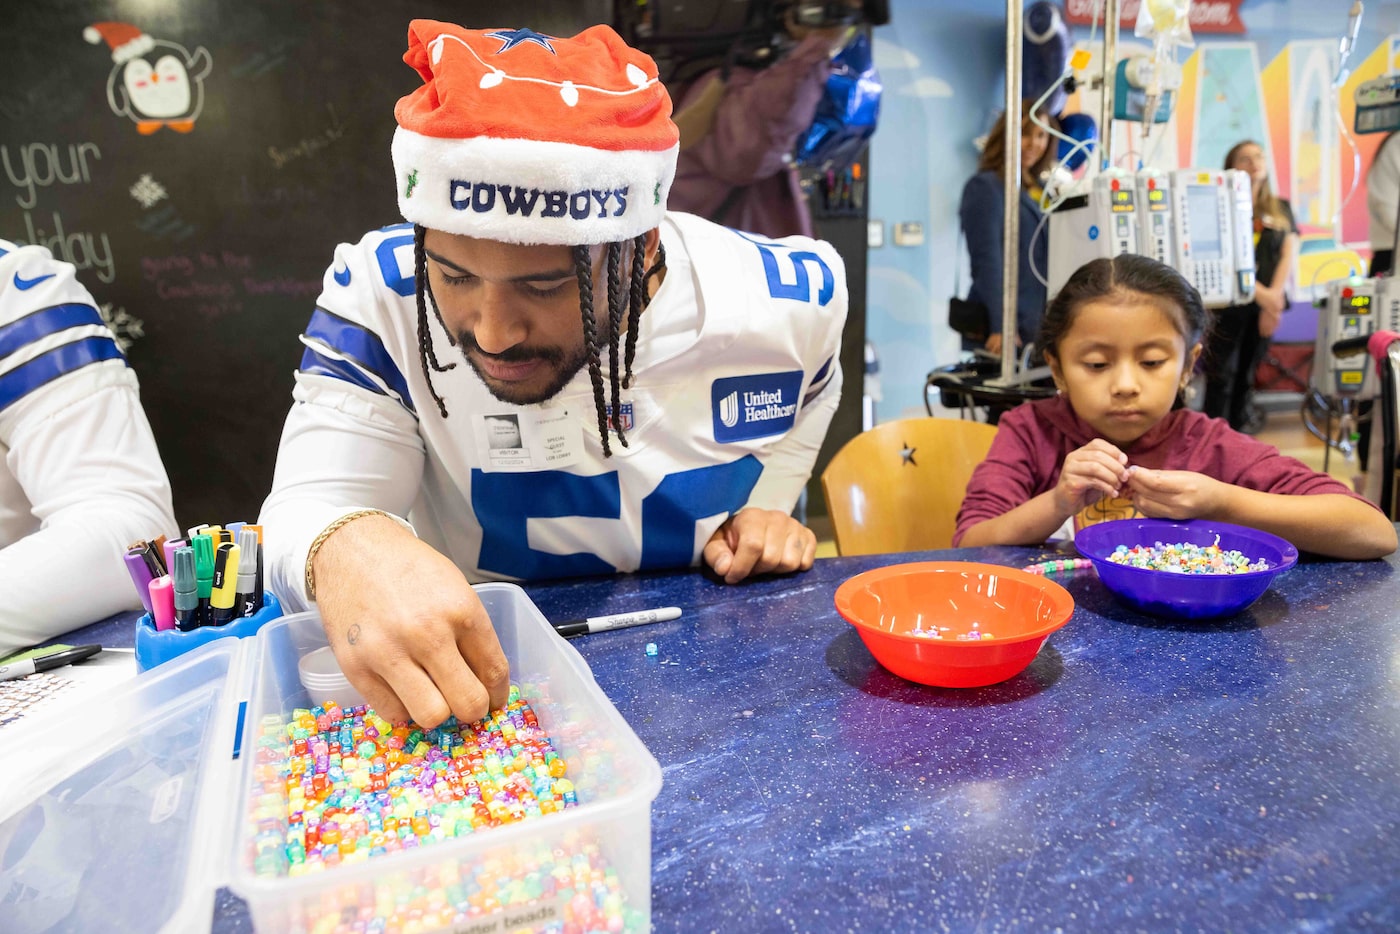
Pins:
x: 624, y: 422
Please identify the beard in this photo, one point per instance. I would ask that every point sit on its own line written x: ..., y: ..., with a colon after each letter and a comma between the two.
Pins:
x: 560, y: 364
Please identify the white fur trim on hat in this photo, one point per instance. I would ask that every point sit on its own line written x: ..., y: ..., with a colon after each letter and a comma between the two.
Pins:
x: 530, y: 191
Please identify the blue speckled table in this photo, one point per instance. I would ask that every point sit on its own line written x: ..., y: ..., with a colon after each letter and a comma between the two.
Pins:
x: 1146, y: 775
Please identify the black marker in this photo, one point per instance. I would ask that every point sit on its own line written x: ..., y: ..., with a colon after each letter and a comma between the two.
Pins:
x: 579, y: 627
x: 49, y: 662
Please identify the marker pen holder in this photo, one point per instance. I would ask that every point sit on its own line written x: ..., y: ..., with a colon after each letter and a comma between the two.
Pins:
x: 155, y: 648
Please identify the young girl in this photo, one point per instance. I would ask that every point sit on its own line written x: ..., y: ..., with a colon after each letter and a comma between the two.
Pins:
x: 1121, y: 338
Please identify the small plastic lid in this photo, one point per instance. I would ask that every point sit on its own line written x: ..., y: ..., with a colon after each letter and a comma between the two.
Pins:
x: 324, y: 681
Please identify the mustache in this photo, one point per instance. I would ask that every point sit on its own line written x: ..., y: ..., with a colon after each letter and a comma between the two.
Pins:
x: 517, y: 354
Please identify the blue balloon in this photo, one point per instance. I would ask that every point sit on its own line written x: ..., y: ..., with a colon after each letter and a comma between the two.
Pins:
x: 1045, y: 49
x: 847, y: 113
x: 1079, y: 127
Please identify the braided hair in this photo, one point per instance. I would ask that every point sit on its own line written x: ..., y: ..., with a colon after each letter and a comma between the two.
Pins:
x: 623, y: 302
x: 424, y: 294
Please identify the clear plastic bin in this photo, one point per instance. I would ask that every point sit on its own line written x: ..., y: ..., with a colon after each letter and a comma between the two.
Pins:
x: 131, y: 819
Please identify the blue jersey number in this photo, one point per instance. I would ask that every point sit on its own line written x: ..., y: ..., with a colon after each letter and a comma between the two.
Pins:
x: 778, y: 258
x: 389, y: 263
x: 505, y: 502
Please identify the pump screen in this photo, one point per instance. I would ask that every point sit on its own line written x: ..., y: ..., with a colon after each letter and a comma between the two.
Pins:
x: 1203, y: 217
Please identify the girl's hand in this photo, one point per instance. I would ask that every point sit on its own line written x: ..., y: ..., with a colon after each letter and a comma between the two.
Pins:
x: 1175, y: 494
x: 1094, y: 472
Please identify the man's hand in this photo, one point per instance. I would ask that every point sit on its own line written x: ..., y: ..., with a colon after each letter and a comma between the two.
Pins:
x: 759, y: 541
x: 1175, y: 494
x: 406, y: 627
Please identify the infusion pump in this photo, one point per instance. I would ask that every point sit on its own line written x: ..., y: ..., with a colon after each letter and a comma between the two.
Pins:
x: 1354, y: 308
x: 1213, y: 216
x: 1199, y: 223
x: 1100, y: 220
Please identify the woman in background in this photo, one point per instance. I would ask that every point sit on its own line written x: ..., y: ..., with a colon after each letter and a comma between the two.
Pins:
x: 1239, y: 337
x: 981, y: 217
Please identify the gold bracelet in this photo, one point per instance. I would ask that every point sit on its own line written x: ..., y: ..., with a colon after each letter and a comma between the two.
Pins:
x: 326, y: 533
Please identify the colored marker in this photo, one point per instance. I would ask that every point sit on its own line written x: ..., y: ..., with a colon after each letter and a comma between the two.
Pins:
x: 204, y: 574
x: 258, y: 589
x: 141, y: 576
x: 258, y: 529
x: 186, y: 590
x: 249, y: 599
x: 225, y: 589
x: 169, y: 553
x: 163, y: 603
x: 196, y: 530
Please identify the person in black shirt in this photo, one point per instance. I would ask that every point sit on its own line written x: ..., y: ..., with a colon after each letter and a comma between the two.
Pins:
x: 1239, y: 337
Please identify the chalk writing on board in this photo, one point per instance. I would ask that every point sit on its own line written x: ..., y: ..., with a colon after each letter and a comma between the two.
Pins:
x: 39, y: 165
x: 84, y: 250
x: 154, y: 82
x: 218, y: 282
x: 309, y: 145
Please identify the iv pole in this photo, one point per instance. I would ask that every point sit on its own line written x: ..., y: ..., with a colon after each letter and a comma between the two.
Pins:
x: 1011, y: 164
x: 1011, y: 190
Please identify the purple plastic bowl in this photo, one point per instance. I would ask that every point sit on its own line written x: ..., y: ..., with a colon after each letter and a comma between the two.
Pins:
x: 1184, y: 596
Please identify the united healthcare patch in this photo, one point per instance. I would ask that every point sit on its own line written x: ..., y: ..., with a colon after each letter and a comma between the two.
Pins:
x: 745, y: 407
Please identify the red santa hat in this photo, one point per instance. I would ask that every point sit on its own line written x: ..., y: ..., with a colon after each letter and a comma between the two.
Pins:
x: 525, y: 138
x: 126, y: 40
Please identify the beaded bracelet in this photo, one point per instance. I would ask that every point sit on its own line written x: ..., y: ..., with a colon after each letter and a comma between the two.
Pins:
x: 1067, y: 565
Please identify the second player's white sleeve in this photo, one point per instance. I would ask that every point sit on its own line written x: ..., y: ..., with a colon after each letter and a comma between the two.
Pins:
x: 95, y: 482
x: 342, y: 450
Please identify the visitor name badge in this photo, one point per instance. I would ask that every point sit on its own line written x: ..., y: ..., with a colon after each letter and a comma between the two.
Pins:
x: 526, y: 439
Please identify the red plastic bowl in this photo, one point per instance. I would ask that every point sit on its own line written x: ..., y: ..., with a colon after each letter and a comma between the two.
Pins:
x: 1020, y: 610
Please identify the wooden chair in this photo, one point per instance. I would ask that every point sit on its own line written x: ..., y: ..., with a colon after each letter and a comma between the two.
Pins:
x: 898, y: 486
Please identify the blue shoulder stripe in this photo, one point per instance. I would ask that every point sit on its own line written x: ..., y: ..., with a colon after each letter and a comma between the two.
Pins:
x: 360, y: 345
x: 318, y: 364
x: 42, y: 323
x: 60, y: 361
x: 819, y: 381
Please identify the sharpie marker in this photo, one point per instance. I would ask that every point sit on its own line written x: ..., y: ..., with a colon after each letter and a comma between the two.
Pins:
x: 29, y: 666
x: 580, y: 627
x: 249, y: 598
x: 225, y: 590
x: 186, y: 591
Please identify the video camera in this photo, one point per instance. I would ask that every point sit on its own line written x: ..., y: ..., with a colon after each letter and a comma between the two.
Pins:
x: 688, y: 37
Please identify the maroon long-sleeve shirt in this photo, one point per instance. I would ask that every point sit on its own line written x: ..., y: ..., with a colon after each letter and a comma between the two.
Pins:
x: 1033, y: 439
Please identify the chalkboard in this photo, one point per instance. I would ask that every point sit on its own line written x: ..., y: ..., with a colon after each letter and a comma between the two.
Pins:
x: 203, y: 206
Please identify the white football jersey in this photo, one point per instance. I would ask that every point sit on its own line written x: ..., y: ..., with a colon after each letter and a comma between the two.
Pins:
x: 736, y: 377
x: 81, y: 478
